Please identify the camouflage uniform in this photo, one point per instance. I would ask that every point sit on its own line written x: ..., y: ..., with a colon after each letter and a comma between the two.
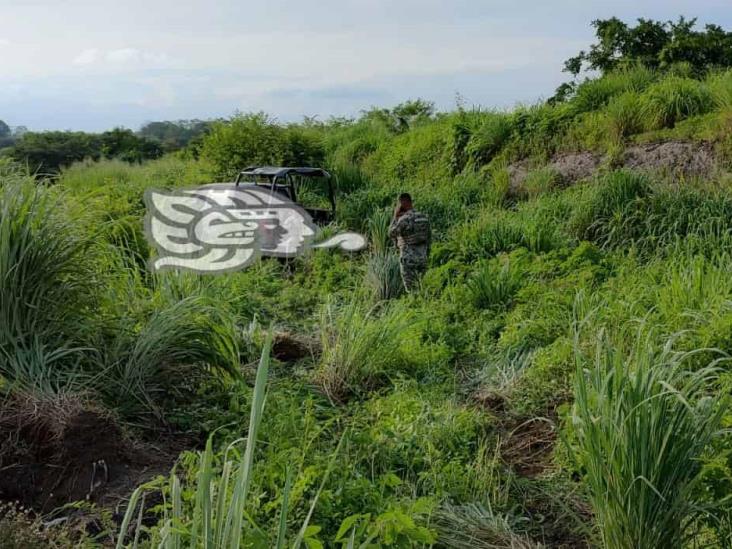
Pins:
x: 413, y: 236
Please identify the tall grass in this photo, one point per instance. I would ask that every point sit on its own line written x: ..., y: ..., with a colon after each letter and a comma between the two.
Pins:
x: 489, y: 138
x: 494, y: 287
x: 140, y: 364
x: 44, y: 267
x: 595, y: 93
x: 35, y: 367
x: 642, y: 422
x: 378, y: 229
x: 359, y: 346
x: 624, y: 114
x: 720, y: 85
x: 383, y: 275
x: 673, y: 99
x: 604, y: 212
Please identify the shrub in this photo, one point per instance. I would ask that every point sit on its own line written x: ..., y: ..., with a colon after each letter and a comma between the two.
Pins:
x: 244, y: 140
x: 417, y: 434
x: 642, y: 422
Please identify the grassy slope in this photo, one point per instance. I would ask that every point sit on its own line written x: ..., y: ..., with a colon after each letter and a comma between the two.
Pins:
x: 478, y: 380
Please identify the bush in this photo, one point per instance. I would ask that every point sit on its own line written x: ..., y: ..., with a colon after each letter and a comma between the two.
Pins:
x: 255, y: 139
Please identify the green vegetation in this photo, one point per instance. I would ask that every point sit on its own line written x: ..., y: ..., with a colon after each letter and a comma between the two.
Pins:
x: 558, y: 381
x: 44, y: 153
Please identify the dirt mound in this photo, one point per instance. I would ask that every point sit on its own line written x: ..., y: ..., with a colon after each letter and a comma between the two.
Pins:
x: 670, y: 158
x: 289, y: 347
x: 57, y: 449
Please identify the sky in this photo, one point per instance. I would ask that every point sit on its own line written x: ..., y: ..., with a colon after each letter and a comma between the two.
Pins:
x: 98, y: 64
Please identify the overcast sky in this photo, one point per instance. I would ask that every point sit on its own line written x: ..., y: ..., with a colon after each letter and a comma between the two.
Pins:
x: 97, y: 64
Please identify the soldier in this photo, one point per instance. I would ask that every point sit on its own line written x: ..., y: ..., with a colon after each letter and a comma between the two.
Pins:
x: 411, y: 230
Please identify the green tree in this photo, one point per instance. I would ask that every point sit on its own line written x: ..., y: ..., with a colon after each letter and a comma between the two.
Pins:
x: 124, y: 144
x: 173, y: 136
x: 402, y: 117
x: 257, y: 139
x: 47, y: 152
x: 655, y: 44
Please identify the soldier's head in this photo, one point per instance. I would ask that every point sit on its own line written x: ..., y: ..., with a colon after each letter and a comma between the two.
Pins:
x: 405, y: 201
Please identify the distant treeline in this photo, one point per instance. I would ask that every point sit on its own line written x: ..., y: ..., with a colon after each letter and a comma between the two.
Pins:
x: 47, y: 152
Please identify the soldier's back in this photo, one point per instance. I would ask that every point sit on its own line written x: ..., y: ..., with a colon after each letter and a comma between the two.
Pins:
x: 415, y: 229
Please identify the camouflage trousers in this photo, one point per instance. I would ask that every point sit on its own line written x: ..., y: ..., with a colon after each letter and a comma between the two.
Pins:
x: 413, y: 264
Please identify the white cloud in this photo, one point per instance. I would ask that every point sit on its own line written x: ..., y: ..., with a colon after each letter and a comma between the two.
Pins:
x: 87, y: 57
x: 132, y: 57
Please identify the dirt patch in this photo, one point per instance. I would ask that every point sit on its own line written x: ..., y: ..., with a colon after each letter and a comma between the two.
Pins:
x: 289, y: 347
x: 63, y: 449
x: 670, y: 158
x: 576, y: 166
x: 527, y: 446
x: 568, y: 167
x: 679, y: 158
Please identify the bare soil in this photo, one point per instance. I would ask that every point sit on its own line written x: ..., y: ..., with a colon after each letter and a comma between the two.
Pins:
x: 670, y: 158
x: 289, y: 347
x: 56, y: 452
x: 675, y: 158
